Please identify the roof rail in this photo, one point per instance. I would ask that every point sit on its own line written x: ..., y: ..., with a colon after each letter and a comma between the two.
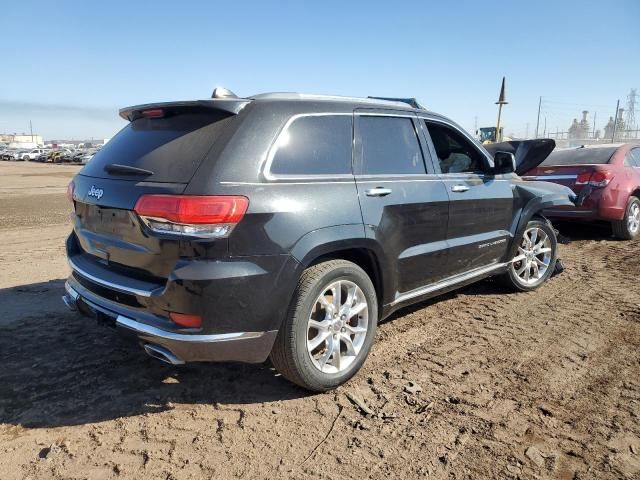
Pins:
x: 335, y: 98
x: 409, y: 101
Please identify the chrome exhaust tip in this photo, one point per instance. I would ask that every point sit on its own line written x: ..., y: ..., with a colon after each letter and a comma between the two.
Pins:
x: 70, y: 302
x: 162, y: 354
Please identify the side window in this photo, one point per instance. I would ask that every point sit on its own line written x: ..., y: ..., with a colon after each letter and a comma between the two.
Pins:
x: 455, y: 153
x: 389, y: 146
x: 315, y: 145
x: 633, y: 157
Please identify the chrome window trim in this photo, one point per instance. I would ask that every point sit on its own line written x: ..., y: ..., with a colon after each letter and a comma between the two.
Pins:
x: 447, y: 282
x: 266, y: 171
x: 105, y: 283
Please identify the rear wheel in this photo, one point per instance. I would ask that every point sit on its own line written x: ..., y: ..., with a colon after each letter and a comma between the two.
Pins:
x: 330, y: 326
x: 535, y: 259
x: 629, y: 227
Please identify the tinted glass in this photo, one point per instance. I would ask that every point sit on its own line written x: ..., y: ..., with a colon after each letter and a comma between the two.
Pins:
x: 315, y: 145
x: 580, y: 156
x: 634, y: 157
x: 455, y: 153
x: 389, y: 146
x: 172, y: 148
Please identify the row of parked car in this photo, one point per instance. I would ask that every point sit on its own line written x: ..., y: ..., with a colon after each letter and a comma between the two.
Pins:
x: 49, y: 155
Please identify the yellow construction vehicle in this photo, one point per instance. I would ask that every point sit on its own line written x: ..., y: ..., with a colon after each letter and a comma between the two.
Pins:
x: 487, y: 135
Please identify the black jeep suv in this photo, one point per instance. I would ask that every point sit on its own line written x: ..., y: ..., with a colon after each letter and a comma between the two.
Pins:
x: 287, y: 225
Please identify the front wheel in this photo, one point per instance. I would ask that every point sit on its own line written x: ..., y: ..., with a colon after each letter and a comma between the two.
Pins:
x: 330, y: 326
x: 535, y: 259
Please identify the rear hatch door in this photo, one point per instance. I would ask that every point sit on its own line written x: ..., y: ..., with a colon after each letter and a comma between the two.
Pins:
x: 151, y: 155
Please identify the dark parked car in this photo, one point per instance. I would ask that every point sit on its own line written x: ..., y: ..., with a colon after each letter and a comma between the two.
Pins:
x: 288, y: 225
x: 606, y: 179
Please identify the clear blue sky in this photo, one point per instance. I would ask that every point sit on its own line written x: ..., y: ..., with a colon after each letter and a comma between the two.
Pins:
x: 69, y: 66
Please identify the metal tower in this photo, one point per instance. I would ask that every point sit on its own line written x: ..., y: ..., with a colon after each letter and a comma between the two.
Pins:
x: 630, y: 116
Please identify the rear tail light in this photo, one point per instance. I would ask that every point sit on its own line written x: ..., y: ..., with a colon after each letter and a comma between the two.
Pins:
x: 185, y: 320
x: 583, y: 178
x: 197, y: 216
x: 598, y: 178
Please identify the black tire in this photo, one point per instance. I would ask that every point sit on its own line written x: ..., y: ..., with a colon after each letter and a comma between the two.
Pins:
x: 290, y: 355
x: 621, y: 228
x: 512, y: 279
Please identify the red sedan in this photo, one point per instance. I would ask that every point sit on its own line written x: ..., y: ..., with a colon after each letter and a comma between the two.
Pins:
x: 606, y: 179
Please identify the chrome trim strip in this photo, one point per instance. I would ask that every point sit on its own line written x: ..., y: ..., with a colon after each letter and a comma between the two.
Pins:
x: 447, y: 282
x: 550, y: 177
x: 105, y: 283
x: 75, y: 295
x: 154, y: 332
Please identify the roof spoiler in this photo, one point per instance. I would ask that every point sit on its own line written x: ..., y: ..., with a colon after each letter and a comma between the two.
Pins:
x: 230, y: 105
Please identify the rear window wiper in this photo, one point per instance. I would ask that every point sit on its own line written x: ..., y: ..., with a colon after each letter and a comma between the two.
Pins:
x: 117, y: 169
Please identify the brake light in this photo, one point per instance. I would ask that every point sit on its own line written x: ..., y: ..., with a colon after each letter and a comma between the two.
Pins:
x: 199, y: 216
x: 184, y: 320
x: 70, y: 189
x: 600, y: 178
x: 153, y: 113
x: 583, y: 178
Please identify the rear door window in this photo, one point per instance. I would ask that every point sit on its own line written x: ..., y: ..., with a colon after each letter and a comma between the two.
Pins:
x: 633, y: 157
x: 172, y: 147
x: 389, y: 146
x: 314, y: 145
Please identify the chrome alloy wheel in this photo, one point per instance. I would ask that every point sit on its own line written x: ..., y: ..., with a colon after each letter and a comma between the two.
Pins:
x: 337, y: 326
x: 533, y: 258
x: 633, y: 222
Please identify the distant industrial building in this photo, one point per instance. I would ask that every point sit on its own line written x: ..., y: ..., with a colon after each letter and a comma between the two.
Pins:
x: 21, y: 140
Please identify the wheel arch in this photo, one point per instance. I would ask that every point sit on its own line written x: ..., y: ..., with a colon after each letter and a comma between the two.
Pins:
x: 347, y: 242
x: 533, y: 198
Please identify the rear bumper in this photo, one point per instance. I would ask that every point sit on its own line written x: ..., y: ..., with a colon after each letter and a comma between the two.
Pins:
x: 172, y: 346
x: 572, y: 213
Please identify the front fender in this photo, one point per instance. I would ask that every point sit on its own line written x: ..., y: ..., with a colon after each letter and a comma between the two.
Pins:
x: 531, y: 198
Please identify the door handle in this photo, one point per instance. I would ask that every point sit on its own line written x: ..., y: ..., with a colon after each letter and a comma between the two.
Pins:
x: 459, y: 188
x: 377, y: 192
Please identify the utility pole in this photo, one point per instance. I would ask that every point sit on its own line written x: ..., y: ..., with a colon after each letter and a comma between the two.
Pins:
x: 31, y: 130
x: 502, y: 100
x: 615, y: 123
x: 526, y: 131
x: 545, y: 127
x: 538, y: 122
x: 595, y: 115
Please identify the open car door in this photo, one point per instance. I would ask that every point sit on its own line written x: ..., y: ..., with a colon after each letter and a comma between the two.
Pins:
x: 528, y: 153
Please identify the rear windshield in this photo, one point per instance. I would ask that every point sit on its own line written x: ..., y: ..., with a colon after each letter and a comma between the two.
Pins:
x: 580, y: 156
x: 172, y: 148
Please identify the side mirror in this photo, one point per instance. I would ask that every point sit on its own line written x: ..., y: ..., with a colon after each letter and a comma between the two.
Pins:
x: 503, y: 162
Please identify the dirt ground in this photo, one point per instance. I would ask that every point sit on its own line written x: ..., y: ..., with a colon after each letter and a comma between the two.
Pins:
x: 477, y: 384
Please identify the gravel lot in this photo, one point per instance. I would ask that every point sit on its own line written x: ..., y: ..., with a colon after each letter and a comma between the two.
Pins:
x: 481, y: 383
